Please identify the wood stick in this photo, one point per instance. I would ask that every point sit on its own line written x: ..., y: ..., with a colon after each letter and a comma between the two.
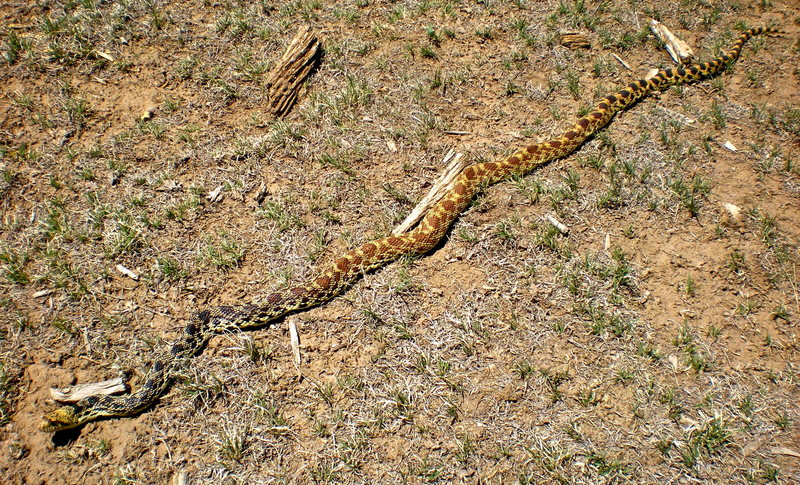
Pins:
x: 454, y: 166
x: 285, y: 80
x: 557, y: 224
x: 73, y: 394
x: 679, y: 50
x: 294, y: 339
x: 575, y: 40
x: 624, y: 64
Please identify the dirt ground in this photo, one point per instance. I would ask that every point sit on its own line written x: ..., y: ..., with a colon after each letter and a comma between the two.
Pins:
x: 655, y: 342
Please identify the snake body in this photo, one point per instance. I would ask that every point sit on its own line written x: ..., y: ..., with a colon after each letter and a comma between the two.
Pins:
x: 347, y: 268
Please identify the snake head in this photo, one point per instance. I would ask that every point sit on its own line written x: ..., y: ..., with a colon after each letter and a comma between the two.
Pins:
x: 65, y: 417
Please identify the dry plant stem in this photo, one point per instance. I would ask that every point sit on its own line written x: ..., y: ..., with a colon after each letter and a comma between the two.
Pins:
x: 287, y: 77
x: 127, y: 272
x: 782, y: 450
x: 455, y: 164
x: 74, y: 394
x: 294, y: 339
x: 679, y: 50
x: 624, y: 64
x: 557, y: 224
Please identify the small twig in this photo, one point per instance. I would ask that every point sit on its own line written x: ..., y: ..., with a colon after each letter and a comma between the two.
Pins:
x: 73, y: 394
x: 455, y: 165
x: 576, y: 344
x: 294, y: 338
x: 557, y: 224
x: 130, y: 274
x: 104, y: 55
x: 624, y: 64
x: 782, y: 450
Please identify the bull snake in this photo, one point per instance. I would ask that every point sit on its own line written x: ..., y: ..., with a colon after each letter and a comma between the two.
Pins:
x: 347, y: 268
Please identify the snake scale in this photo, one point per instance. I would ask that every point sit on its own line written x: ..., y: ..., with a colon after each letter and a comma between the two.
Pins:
x: 347, y: 268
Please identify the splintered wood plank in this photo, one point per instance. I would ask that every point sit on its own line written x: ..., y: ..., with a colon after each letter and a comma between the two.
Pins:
x: 286, y: 79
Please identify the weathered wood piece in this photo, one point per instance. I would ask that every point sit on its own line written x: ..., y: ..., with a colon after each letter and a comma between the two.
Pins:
x: 679, y: 50
x: 73, y: 394
x: 294, y: 66
x: 575, y: 40
x: 454, y: 165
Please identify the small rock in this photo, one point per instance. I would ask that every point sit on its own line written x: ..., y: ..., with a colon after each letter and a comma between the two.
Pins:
x: 673, y: 359
x: 734, y: 210
x: 732, y: 215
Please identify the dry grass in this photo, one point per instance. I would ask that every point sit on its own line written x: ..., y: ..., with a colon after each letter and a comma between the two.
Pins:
x: 657, y: 341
